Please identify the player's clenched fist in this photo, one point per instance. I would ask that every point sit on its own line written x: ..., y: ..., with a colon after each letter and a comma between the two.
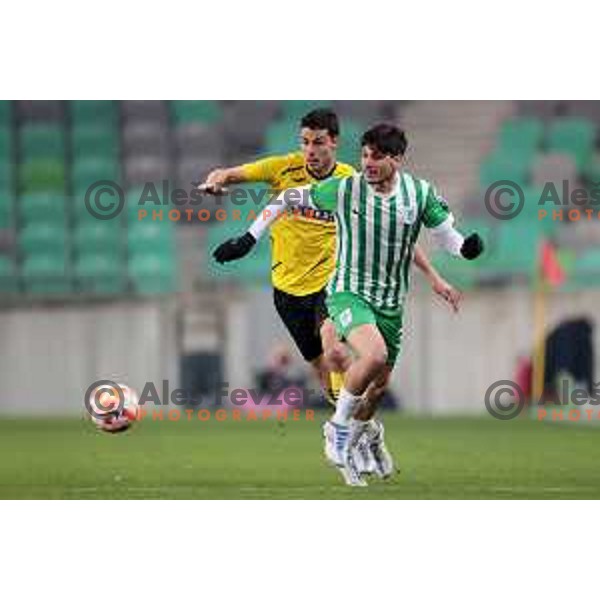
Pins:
x: 234, y: 248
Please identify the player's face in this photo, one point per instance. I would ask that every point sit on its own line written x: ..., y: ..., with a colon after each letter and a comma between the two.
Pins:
x: 377, y: 166
x: 318, y: 147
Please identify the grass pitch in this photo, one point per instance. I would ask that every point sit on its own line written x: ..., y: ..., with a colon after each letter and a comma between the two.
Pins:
x: 440, y: 458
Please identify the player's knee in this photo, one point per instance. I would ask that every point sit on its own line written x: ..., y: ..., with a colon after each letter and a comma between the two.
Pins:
x: 335, y: 357
x: 376, y: 359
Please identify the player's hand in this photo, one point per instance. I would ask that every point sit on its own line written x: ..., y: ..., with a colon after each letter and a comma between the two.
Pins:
x: 215, y: 183
x: 472, y: 246
x: 234, y: 248
x: 214, y: 189
x: 449, y: 294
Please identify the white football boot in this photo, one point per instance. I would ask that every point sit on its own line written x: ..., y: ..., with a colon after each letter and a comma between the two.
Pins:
x: 328, y: 437
x: 363, y: 457
x: 351, y: 469
x: 361, y: 453
x: 342, y: 450
x: 384, y: 464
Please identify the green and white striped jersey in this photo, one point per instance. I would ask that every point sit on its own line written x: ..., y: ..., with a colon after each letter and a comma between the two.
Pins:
x: 376, y: 235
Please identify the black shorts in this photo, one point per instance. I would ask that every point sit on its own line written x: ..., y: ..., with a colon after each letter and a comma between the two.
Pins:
x: 302, y: 316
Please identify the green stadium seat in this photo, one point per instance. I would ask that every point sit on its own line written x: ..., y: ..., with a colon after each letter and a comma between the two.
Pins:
x: 82, y: 216
x: 133, y: 204
x: 193, y: 111
x: 41, y: 142
x: 8, y: 275
x: 6, y: 144
x: 473, y: 272
x: 516, y: 249
x: 501, y: 166
x: 295, y: 109
x: 582, y: 270
x: 94, y: 112
x: 216, y: 234
x: 349, y: 143
x: 522, y: 134
x: 152, y: 236
x: 43, y: 208
x: 530, y: 212
x: 85, y: 172
x: 254, y: 269
x: 6, y: 177
x: 42, y: 176
x: 94, y: 236
x: 573, y: 136
x: 88, y: 170
x: 6, y: 189
x: 5, y: 113
x: 7, y: 203
x: 152, y: 273
x: 591, y: 171
x: 282, y: 137
x: 42, y: 237
x: 589, y: 261
x: 133, y: 209
x: 7, y: 219
x: 95, y: 141
x: 100, y: 274
x: 47, y: 273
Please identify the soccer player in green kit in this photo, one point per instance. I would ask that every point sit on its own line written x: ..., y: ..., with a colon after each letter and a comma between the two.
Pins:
x: 379, y: 214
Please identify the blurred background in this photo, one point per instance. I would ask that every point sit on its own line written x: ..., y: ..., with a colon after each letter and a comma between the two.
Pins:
x: 83, y: 299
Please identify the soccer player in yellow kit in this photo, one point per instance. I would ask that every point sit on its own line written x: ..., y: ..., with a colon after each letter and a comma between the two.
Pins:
x: 303, y: 246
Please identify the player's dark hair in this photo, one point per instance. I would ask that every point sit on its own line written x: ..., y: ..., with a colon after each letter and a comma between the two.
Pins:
x: 388, y: 139
x: 322, y: 118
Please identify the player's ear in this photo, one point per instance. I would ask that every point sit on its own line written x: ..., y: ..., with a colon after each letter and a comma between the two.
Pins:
x: 398, y: 161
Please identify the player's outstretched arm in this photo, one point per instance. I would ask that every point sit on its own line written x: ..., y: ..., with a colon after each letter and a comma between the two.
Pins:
x: 238, y: 247
x: 451, y: 240
x: 217, y: 180
x: 439, y: 220
x: 438, y: 284
x: 321, y: 196
x: 264, y: 170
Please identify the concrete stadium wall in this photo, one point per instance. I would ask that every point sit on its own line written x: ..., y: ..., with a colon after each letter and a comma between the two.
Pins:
x: 448, y: 361
x: 50, y: 355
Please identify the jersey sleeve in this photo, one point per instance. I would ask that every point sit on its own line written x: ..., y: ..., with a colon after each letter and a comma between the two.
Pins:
x: 264, y: 169
x: 436, y: 209
x: 323, y: 196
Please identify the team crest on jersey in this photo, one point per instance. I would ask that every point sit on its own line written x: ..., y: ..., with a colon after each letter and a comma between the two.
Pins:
x: 407, y: 214
x: 346, y: 317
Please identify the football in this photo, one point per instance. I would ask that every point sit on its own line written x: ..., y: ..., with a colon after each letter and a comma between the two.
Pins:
x: 115, y: 407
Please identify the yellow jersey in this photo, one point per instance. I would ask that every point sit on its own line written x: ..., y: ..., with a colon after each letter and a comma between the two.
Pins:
x: 302, y: 247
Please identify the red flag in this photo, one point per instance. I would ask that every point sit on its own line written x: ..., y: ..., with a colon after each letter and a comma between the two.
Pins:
x: 550, y: 267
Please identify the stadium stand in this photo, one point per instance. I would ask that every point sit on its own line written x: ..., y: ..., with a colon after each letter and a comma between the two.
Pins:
x: 51, y: 152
